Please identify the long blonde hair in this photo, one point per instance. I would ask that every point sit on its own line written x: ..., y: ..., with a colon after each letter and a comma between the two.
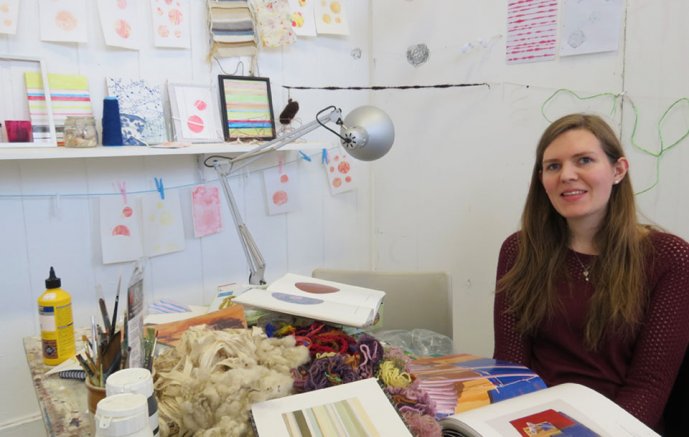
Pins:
x: 618, y: 272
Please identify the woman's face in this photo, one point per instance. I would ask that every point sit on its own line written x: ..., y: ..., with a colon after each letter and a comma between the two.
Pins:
x: 578, y: 176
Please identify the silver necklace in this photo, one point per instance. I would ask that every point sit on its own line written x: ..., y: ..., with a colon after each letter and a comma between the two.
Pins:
x: 585, y: 269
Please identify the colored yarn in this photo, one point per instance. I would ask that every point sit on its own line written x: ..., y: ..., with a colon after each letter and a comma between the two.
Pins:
x: 392, y: 376
x: 412, y: 398
x: 422, y: 425
x: 329, y: 371
x: 112, y: 124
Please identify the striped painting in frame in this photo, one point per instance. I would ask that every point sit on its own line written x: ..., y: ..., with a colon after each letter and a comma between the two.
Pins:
x: 70, y: 96
x: 246, y: 108
x: 345, y: 418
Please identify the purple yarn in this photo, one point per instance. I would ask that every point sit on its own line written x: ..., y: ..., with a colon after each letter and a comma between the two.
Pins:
x: 329, y: 371
x: 412, y: 398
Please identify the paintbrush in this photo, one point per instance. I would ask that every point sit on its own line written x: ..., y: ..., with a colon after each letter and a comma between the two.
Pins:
x: 113, y: 325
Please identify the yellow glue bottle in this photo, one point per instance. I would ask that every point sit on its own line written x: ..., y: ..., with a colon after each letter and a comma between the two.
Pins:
x: 57, y: 326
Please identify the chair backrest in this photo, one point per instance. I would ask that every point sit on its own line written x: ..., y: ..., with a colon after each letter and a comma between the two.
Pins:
x: 676, y: 415
x: 412, y: 300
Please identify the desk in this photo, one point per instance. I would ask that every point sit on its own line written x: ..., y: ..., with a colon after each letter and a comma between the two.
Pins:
x: 62, y: 401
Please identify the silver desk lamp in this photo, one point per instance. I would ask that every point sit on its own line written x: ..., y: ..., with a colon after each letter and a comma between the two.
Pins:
x: 367, y: 133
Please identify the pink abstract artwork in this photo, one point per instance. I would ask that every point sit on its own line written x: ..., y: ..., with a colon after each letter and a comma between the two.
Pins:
x: 171, y: 23
x: 531, y: 30
x: 339, y: 171
x: 281, y: 188
x: 194, y: 113
x: 205, y: 205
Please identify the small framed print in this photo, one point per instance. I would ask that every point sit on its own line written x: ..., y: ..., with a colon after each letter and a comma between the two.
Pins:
x: 194, y: 113
x: 38, y: 131
x: 246, y: 108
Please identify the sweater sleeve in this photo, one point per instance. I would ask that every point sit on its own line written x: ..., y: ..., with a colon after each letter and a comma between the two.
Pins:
x: 509, y: 344
x: 663, y: 336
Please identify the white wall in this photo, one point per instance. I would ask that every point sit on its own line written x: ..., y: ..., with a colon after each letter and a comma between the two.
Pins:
x: 453, y: 186
x: 40, y: 230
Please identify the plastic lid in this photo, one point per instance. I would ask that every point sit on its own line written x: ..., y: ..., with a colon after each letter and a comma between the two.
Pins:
x: 133, y: 380
x: 52, y: 281
x: 121, y: 415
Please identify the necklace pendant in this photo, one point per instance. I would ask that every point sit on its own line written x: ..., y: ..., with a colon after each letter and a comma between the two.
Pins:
x: 586, y: 275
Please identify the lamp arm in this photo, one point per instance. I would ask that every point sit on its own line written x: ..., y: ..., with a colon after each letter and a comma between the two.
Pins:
x: 224, y: 168
x: 257, y: 264
x: 335, y: 116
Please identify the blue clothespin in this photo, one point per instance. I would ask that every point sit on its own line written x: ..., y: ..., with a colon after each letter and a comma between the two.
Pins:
x: 160, y: 187
x: 324, y: 156
x: 304, y: 156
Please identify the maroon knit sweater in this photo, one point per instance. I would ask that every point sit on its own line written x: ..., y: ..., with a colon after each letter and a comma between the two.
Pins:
x: 636, y: 373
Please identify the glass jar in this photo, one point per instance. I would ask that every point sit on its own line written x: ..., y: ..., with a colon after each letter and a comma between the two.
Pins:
x: 80, y: 131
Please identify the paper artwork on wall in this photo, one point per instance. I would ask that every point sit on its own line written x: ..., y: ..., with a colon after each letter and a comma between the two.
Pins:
x: 171, y: 23
x: 163, y: 231
x: 341, y: 175
x: 69, y: 94
x: 331, y: 17
x: 195, y: 113
x: 273, y: 23
x: 141, y: 111
x: 281, y: 189
x: 121, y: 23
x: 205, y: 210
x: 531, y: 31
x: 9, y: 13
x: 590, y: 26
x: 120, y: 229
x: 302, y: 17
x: 63, y: 20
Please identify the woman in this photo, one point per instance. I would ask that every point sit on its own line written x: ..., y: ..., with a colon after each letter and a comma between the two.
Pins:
x: 585, y: 293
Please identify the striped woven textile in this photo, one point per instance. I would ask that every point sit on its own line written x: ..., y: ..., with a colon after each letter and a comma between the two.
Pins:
x: 70, y: 97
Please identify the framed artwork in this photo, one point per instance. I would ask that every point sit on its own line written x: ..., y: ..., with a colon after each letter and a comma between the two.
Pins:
x: 194, y: 112
x: 246, y: 107
x: 11, y: 69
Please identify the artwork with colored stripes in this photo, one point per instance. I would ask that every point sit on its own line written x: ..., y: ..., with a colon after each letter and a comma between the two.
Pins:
x: 346, y: 418
x: 69, y: 95
x: 246, y: 108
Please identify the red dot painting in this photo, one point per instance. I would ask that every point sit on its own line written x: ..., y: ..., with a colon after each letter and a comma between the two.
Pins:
x: 280, y: 198
x: 127, y: 211
x: 195, y: 123
x: 123, y: 29
x: 121, y: 230
x: 348, y: 179
x: 122, y: 4
x: 337, y: 182
x: 200, y: 105
x: 284, y: 178
x: 343, y: 167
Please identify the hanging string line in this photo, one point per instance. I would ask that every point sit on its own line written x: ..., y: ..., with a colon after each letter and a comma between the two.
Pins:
x: 379, y: 88
x: 618, y: 99
x: 153, y: 190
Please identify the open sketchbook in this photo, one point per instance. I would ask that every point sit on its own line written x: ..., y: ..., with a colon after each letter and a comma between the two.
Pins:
x: 563, y: 410
x: 355, y: 409
x: 317, y: 299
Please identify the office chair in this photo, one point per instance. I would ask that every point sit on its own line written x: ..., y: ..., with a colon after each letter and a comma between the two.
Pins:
x: 412, y: 300
x: 676, y: 412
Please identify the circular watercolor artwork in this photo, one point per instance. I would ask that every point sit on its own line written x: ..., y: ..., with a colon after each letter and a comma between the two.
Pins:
x: 311, y: 287
x: 290, y: 298
x: 195, y: 124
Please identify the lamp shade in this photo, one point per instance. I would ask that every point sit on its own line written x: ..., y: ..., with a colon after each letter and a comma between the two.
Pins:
x: 368, y: 133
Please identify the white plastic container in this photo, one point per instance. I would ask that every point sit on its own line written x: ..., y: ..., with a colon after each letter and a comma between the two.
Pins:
x: 122, y: 415
x: 135, y: 380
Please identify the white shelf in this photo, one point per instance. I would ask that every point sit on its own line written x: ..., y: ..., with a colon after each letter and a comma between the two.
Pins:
x: 15, y: 153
